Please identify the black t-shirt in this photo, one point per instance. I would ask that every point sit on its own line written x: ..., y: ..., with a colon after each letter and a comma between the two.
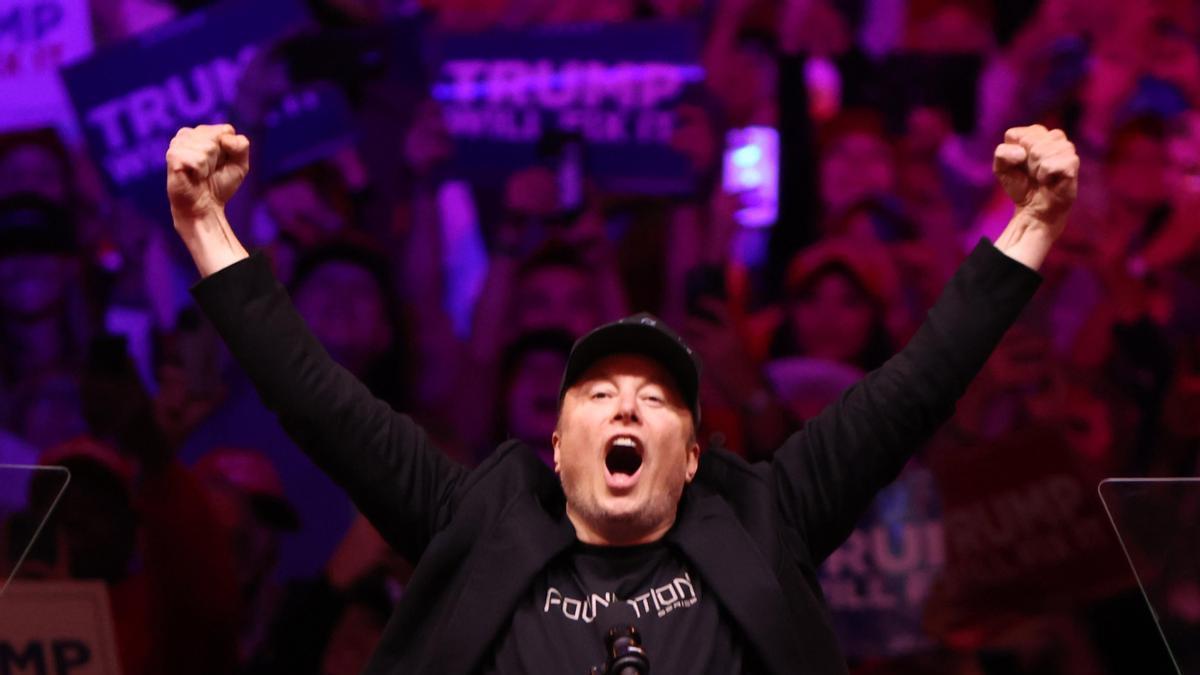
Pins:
x: 560, y: 627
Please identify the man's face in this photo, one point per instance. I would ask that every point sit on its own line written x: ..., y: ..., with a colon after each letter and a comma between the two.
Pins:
x: 556, y: 297
x: 34, y: 169
x: 348, y: 313
x: 32, y: 285
x: 624, y: 449
x: 531, y: 407
x: 254, y: 542
x: 1137, y: 175
x: 856, y: 167
x: 833, y: 319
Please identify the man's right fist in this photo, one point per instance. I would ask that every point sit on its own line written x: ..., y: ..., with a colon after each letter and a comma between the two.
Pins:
x: 205, y: 166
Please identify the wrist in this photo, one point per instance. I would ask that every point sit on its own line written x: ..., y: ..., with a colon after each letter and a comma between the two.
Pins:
x: 210, y: 240
x: 188, y: 224
x: 1027, y: 239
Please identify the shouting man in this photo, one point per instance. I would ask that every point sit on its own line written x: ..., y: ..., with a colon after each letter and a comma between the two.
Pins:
x: 712, y: 559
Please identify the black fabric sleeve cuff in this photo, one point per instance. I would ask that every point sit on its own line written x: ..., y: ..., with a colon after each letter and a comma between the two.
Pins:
x: 231, y: 287
x: 1000, y: 277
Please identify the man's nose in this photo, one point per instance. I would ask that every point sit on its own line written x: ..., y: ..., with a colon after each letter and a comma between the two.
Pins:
x: 627, y: 408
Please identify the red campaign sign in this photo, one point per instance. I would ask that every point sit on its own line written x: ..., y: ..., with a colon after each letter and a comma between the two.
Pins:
x: 1025, y: 531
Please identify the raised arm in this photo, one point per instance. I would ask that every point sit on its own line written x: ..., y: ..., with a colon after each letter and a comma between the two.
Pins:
x: 384, y: 460
x: 827, y: 473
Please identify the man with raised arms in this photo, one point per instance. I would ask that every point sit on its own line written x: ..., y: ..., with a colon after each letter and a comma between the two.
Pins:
x: 521, y: 569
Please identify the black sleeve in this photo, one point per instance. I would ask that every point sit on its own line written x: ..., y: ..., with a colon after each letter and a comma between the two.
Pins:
x: 826, y: 474
x: 387, y: 464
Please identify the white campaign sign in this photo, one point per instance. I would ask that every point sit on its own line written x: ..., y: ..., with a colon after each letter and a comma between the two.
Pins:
x: 36, y: 37
x: 57, y: 628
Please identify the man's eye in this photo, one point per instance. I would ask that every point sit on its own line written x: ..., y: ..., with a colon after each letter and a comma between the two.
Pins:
x: 600, y: 394
x: 653, y: 398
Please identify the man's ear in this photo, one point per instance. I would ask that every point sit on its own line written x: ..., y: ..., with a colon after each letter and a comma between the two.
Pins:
x: 693, y: 461
x: 556, y: 441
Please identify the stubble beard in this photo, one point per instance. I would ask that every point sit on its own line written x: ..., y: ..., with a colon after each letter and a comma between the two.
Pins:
x: 631, y: 523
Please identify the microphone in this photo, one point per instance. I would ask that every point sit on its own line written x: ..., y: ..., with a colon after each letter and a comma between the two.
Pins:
x: 625, y: 653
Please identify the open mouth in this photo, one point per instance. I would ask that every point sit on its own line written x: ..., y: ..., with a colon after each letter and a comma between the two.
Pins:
x: 623, y: 461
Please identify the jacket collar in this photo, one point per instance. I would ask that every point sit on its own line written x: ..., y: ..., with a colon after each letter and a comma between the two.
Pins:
x: 529, y: 534
x: 731, y: 565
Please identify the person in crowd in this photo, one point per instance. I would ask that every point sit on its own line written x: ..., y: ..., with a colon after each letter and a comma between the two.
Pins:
x: 837, y: 321
x: 857, y: 162
x: 551, y: 268
x: 331, y: 623
x: 186, y: 592
x: 37, y: 162
x: 839, y: 295
x: 129, y: 499
x: 1178, y: 453
x: 529, y: 379
x: 1134, y: 175
x: 345, y: 290
x: 247, y: 495
x: 43, y: 324
x: 48, y: 410
x: 300, y: 211
x: 549, y: 290
x: 554, y: 291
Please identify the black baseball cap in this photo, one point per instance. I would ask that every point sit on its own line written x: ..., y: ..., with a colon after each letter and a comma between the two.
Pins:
x: 646, y: 335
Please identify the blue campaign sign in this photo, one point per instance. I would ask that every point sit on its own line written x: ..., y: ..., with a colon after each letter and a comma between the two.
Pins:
x: 614, y: 85
x: 132, y: 97
x: 877, y: 582
x: 307, y: 125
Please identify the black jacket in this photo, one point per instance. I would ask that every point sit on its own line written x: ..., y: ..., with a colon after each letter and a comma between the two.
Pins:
x: 755, y: 533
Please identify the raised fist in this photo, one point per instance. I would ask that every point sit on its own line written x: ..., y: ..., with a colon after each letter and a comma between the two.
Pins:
x: 1039, y: 170
x: 205, y: 166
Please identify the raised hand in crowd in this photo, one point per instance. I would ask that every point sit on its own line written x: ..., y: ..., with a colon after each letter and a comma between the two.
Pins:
x: 738, y: 381
x: 190, y: 386
x: 1179, y: 238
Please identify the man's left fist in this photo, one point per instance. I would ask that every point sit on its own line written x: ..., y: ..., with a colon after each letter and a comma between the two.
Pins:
x: 1040, y: 172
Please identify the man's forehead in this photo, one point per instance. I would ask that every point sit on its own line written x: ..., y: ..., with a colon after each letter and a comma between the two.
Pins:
x: 628, y: 364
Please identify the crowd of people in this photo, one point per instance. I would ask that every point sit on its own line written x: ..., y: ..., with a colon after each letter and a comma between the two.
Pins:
x: 225, y: 550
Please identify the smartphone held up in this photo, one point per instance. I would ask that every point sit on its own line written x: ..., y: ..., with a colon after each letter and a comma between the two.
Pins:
x: 751, y: 171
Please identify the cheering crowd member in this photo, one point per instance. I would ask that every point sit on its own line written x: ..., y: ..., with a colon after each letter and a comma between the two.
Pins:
x: 712, y: 559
